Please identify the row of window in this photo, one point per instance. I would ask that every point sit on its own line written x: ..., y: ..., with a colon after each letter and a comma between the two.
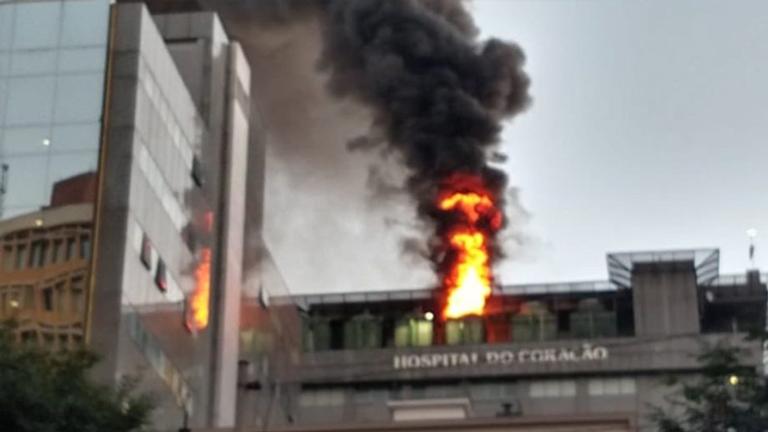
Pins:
x: 151, y: 260
x: 369, y: 332
x: 64, y: 297
x: 329, y: 397
x: 49, y: 339
x: 41, y: 252
x: 35, y: 25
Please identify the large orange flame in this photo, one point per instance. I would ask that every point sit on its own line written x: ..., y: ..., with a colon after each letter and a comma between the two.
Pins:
x: 200, y: 300
x: 201, y: 297
x: 468, y: 280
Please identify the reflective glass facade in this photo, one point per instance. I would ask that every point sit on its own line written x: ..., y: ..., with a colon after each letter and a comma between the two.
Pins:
x: 52, y: 75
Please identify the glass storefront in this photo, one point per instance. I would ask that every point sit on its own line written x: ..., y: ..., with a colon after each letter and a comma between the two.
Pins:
x: 52, y: 70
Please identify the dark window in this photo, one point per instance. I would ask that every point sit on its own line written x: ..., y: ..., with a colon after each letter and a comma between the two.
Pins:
x: 190, y: 237
x: 55, y: 251
x: 21, y: 255
x: 60, y: 297
x: 77, y: 301
x: 146, y: 252
x: 388, y: 332
x: 29, y: 297
x: 337, y: 334
x: 7, y: 258
x: 85, y: 247
x: 198, y: 175
x: 564, y: 321
x: 497, y: 328
x: 37, y: 253
x: 44, y: 254
x: 48, y: 299
x: 160, y: 278
x: 70, y: 252
x: 36, y: 256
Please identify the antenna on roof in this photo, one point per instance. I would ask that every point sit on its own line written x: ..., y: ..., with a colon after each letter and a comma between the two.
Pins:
x: 752, y: 233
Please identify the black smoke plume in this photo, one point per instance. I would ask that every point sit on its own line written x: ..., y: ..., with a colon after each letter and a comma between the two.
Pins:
x: 438, y: 94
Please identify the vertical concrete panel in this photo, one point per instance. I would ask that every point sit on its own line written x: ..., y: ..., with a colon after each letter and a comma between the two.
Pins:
x: 233, y: 205
x: 665, y: 298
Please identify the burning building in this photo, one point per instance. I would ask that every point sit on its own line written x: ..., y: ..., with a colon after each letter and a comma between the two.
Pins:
x: 565, y: 356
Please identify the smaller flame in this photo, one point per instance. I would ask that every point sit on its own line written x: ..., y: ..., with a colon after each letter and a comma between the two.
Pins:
x: 200, y: 301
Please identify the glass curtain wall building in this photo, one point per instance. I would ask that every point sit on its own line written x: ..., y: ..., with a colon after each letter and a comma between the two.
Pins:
x: 123, y: 157
x: 52, y: 78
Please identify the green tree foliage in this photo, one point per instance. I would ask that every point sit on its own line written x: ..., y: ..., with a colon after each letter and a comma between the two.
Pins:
x: 42, y: 391
x: 728, y: 396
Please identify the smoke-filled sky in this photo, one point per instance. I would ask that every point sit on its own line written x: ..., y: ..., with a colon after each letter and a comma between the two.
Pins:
x: 648, y: 130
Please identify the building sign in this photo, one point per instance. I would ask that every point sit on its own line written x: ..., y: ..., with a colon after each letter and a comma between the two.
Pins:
x: 586, y: 353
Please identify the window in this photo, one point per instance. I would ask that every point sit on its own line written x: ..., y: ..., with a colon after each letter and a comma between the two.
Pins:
x: 146, y: 252
x: 26, y: 95
x: 70, y: 252
x: 85, y: 247
x: 362, y: 332
x: 48, y: 299
x: 552, y: 388
x: 190, y: 238
x: 413, y: 332
x: 466, y: 331
x: 197, y: 172
x: 534, y: 322
x: 492, y: 391
x: 336, y: 327
x: 77, y: 301
x: 37, y: 24
x: 60, y: 297
x: 592, y: 319
x: 7, y: 258
x: 611, y: 386
x: 366, y: 395
x: 37, y: 253
x: 321, y: 397
x: 318, y: 335
x: 78, y: 99
x: 160, y: 277
x: 74, y: 14
x: 55, y: 251
x: 21, y: 256
x: 29, y: 297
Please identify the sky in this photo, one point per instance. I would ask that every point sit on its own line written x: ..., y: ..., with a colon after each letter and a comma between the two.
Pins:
x: 648, y: 130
